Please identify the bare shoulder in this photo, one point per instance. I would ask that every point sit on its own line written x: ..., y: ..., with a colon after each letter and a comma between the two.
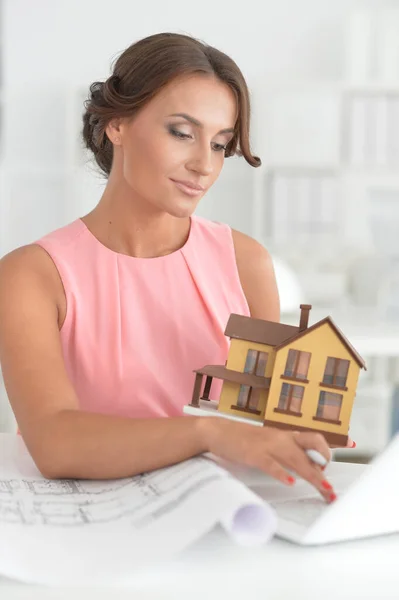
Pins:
x: 256, y: 272
x: 26, y: 270
x: 248, y: 249
x: 30, y: 261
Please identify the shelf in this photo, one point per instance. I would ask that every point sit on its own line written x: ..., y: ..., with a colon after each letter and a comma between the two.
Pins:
x: 338, y: 87
x: 303, y: 169
x: 371, y: 170
x: 377, y: 88
x: 344, y: 168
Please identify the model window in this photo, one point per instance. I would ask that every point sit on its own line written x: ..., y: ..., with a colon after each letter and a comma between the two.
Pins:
x: 336, y: 372
x: 329, y: 406
x: 297, y: 365
x: 291, y: 397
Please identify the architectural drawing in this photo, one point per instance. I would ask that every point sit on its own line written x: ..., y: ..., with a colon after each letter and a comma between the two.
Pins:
x: 133, y: 501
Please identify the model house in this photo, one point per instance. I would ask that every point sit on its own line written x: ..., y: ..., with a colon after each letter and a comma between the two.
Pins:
x: 294, y: 377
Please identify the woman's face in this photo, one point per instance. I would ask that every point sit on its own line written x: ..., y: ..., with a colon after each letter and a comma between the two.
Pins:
x: 172, y: 151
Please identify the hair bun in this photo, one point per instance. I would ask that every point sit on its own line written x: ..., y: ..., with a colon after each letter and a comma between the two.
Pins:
x: 96, y: 97
x: 93, y: 126
x: 114, y: 81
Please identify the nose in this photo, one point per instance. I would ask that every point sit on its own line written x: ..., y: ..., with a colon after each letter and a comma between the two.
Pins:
x: 201, y: 161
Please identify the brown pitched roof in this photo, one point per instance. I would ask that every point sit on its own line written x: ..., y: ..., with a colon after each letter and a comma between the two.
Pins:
x: 343, y: 339
x: 259, y: 330
x: 279, y: 334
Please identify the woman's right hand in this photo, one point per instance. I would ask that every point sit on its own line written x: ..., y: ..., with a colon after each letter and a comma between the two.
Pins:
x: 273, y: 451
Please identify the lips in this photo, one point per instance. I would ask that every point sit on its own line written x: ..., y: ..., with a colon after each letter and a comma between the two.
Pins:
x: 190, y: 184
x: 189, y: 188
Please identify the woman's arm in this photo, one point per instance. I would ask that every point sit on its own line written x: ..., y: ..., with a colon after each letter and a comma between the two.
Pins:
x: 63, y: 440
x: 66, y: 442
x: 256, y: 272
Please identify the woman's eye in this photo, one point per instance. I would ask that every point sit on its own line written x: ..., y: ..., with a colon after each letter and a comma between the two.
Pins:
x: 185, y: 136
x: 179, y: 134
x: 219, y: 147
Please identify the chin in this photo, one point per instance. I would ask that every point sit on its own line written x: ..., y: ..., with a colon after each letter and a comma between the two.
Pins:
x: 182, y: 211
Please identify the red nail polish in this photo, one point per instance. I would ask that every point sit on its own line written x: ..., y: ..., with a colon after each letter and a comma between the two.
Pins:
x: 353, y: 444
x: 333, y: 497
x: 326, y: 485
x: 290, y: 480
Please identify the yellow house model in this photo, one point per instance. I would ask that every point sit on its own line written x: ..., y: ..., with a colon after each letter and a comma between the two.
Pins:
x: 301, y: 378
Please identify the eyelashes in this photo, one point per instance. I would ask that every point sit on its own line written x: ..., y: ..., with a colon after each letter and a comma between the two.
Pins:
x: 179, y: 134
x: 185, y: 136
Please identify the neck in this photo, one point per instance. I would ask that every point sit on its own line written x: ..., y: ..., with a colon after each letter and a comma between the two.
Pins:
x: 136, y: 228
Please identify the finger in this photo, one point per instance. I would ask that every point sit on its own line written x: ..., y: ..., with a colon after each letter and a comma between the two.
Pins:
x: 314, y: 476
x: 313, y: 441
x: 273, y: 468
x: 297, y: 461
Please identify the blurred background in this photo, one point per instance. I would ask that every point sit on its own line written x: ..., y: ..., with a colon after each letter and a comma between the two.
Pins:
x: 324, y: 80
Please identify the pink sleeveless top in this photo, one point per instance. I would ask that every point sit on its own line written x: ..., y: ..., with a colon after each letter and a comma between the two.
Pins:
x: 136, y: 328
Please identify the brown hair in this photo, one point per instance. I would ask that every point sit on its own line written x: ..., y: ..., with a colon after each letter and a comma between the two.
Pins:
x: 142, y: 70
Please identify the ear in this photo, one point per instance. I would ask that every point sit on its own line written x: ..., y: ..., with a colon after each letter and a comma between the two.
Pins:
x: 113, y: 131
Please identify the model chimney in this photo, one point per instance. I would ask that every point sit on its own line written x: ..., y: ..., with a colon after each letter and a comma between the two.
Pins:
x: 305, y: 309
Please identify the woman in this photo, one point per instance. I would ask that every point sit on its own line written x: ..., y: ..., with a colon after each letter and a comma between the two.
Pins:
x: 103, y: 321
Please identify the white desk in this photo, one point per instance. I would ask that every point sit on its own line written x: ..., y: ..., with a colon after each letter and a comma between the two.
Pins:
x: 216, y: 568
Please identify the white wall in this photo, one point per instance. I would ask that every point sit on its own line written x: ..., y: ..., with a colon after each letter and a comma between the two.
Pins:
x: 48, y: 41
x: 53, y: 47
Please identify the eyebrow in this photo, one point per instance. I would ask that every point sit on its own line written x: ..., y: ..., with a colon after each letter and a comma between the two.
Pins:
x: 198, y: 123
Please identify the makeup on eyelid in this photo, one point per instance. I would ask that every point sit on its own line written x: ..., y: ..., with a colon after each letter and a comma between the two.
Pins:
x: 183, y: 135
